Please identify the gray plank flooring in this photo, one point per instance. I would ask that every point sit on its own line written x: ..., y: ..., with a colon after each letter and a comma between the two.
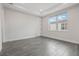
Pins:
x: 39, y: 46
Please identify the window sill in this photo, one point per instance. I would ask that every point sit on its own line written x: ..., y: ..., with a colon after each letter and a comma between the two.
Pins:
x: 62, y: 30
x: 58, y: 30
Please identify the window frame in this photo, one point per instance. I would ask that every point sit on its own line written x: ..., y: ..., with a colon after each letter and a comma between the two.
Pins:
x: 58, y: 21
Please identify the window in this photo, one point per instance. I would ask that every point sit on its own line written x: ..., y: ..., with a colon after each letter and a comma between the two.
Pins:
x: 52, y: 23
x: 58, y: 22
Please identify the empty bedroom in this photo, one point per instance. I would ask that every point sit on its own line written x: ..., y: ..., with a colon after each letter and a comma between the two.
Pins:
x: 39, y: 29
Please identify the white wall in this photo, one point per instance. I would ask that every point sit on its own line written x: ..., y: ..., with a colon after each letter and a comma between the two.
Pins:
x: 1, y: 18
x: 72, y: 35
x: 20, y: 26
x: 0, y: 30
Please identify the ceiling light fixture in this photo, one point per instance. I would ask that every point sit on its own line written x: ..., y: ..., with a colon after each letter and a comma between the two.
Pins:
x: 41, y: 10
x: 10, y: 3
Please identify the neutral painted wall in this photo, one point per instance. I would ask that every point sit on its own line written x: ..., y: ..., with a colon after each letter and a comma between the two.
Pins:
x: 0, y: 30
x: 1, y: 19
x: 20, y: 26
x: 72, y: 35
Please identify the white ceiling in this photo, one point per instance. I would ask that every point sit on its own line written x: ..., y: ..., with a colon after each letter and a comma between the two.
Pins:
x: 38, y: 9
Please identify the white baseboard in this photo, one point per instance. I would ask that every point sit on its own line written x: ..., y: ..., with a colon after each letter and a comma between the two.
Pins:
x: 62, y: 39
x: 32, y: 36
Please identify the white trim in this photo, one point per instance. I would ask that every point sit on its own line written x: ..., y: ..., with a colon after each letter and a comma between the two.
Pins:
x: 27, y: 37
x: 62, y: 39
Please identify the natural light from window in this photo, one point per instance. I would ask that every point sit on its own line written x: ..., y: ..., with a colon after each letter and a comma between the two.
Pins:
x: 58, y: 22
